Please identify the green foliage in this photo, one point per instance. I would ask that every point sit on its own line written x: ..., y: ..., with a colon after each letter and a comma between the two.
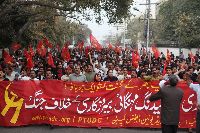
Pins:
x: 135, y: 27
x: 26, y: 21
x: 179, y: 21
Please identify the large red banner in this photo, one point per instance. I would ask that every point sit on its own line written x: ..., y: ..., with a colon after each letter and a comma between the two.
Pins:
x: 104, y: 104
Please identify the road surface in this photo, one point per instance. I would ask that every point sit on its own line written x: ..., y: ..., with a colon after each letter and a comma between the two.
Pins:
x: 47, y: 129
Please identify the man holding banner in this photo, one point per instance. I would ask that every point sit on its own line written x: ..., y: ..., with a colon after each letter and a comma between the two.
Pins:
x: 171, y: 98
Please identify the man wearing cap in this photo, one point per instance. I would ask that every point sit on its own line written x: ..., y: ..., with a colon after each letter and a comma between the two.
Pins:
x: 171, y: 97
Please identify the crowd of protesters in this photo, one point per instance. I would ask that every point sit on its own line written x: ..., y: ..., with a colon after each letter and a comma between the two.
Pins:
x: 99, y: 65
x: 96, y: 65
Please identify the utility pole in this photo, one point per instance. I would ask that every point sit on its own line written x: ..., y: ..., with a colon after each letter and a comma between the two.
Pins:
x: 124, y: 33
x: 147, y: 19
x: 148, y: 23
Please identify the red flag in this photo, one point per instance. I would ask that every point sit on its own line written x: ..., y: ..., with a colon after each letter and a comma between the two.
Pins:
x: 47, y: 43
x: 137, y: 56
x: 164, y: 69
x: 192, y: 57
x: 87, y: 50
x: 168, y: 59
x: 29, y: 64
x: 65, y: 53
x: 95, y: 43
x: 26, y: 53
x: 167, y: 62
x: 15, y: 46
x: 117, y: 49
x: 110, y: 46
x: 7, y: 58
x: 31, y: 52
x: 80, y: 45
x: 41, y: 50
x: 50, y: 60
x: 29, y: 59
x: 155, y: 51
x: 135, y: 59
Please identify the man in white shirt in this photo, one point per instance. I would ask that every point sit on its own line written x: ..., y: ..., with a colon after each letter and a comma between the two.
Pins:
x: 120, y: 74
x: 196, y: 88
x: 65, y: 77
x: 23, y: 75
x: 10, y: 73
x: 110, y: 66
x: 126, y: 75
x: 33, y: 75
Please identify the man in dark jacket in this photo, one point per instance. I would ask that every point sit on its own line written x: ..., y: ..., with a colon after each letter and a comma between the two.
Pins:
x: 171, y: 98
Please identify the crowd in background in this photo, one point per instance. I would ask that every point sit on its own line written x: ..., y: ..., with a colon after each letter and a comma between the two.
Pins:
x: 96, y: 65
x: 92, y: 65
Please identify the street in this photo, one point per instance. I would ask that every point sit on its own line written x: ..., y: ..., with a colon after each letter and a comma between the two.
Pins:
x: 47, y: 129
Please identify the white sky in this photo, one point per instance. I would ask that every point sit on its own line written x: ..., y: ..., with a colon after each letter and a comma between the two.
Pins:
x: 105, y: 29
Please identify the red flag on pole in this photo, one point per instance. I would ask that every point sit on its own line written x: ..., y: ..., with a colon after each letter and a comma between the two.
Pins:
x: 192, y: 57
x: 135, y: 59
x: 168, y: 59
x: 164, y: 69
x: 41, y: 50
x: 15, y: 46
x: 80, y: 45
x: 47, y: 43
x: 117, y: 50
x: 110, y: 46
x: 26, y: 53
x: 31, y: 51
x: 7, y: 58
x: 29, y: 58
x: 50, y: 60
x: 167, y: 62
x: 155, y: 51
x: 29, y: 64
x: 137, y: 56
x: 95, y: 43
x: 65, y: 53
x: 87, y: 50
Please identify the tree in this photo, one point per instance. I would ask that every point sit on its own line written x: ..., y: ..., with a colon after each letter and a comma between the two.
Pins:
x: 60, y: 31
x: 16, y: 16
x: 179, y: 21
x: 135, y: 27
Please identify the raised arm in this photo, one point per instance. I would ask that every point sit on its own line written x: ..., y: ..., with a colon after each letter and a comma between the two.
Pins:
x: 90, y: 58
x: 156, y: 96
